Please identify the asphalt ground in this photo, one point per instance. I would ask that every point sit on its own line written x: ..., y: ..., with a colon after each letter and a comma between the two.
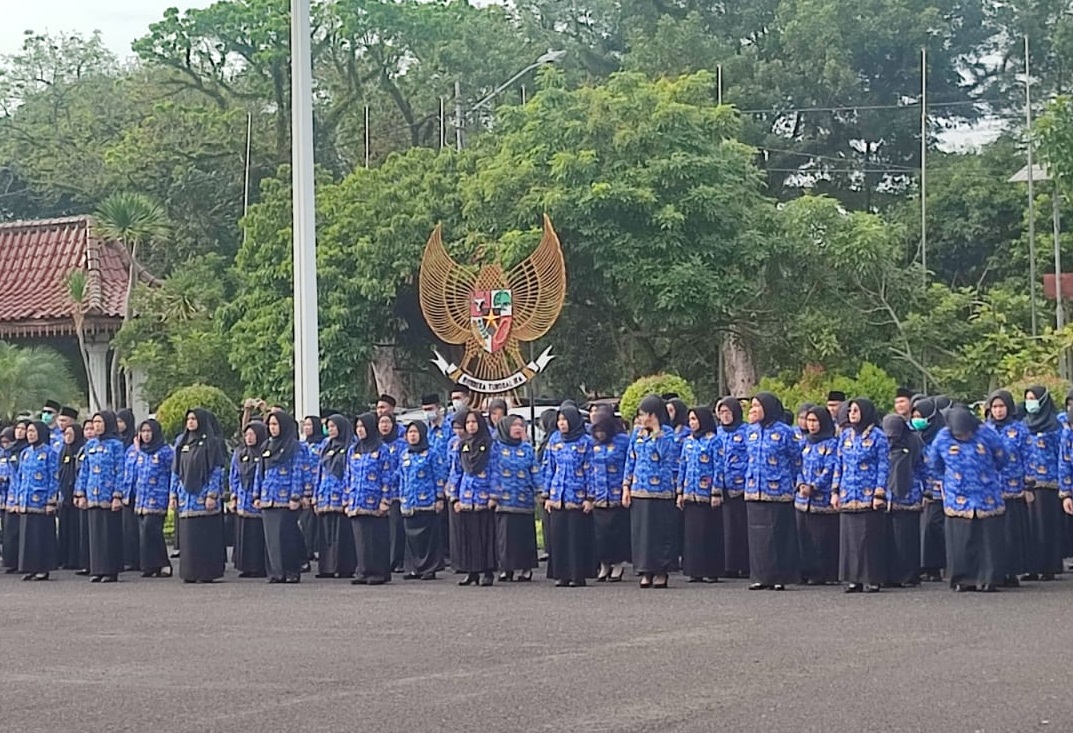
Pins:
x: 241, y: 655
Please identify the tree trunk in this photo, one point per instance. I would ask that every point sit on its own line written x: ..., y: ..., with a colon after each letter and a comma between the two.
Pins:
x: 85, y: 364
x: 113, y: 379
x: 741, y: 377
x: 386, y: 373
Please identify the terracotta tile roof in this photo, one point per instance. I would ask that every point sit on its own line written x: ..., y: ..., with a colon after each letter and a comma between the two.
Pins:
x: 35, y: 259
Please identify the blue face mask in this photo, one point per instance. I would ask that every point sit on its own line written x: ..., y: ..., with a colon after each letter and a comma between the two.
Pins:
x: 1032, y: 406
x: 46, y: 418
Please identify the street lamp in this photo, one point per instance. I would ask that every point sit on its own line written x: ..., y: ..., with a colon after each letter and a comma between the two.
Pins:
x: 550, y: 57
x: 304, y: 230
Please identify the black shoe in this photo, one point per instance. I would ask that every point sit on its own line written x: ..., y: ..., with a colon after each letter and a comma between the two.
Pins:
x: 711, y: 580
x: 562, y: 584
x: 189, y: 580
x: 526, y: 577
x: 486, y: 580
x: 506, y: 577
x: 1047, y: 577
x: 41, y: 576
x: 988, y: 588
x: 359, y: 581
x: 429, y: 576
x: 110, y: 579
x: 582, y: 584
x: 273, y: 580
x: 306, y: 568
x: 543, y: 557
x: 376, y: 581
x: 1029, y: 577
x: 29, y: 576
x: 854, y: 588
x: 82, y: 572
x: 150, y: 573
x: 471, y: 579
x: 646, y: 581
x: 319, y: 575
x: 871, y: 588
x: 174, y: 554
x: 612, y: 578
x: 694, y: 579
x: 1011, y: 581
x: 11, y: 571
x: 95, y: 579
x: 758, y: 586
x: 964, y: 588
x: 293, y: 579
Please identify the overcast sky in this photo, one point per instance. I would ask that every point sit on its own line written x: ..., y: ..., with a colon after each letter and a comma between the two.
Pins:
x: 119, y: 21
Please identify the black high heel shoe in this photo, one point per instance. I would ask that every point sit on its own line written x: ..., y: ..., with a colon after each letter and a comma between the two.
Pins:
x: 662, y: 584
x: 526, y: 577
x: 506, y: 576
x: 612, y: 578
x: 486, y: 580
x: 471, y: 579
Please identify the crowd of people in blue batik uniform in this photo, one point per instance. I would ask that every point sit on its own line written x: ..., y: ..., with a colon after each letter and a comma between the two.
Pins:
x: 839, y: 495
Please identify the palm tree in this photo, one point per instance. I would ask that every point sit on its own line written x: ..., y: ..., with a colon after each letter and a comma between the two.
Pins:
x: 76, y: 291
x: 132, y: 220
x: 29, y: 376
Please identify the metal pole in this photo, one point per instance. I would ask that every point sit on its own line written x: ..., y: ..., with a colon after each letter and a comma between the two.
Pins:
x: 306, y: 350
x: 719, y: 83
x: 924, y: 162
x: 1031, y: 196
x: 1059, y: 313
x: 532, y: 402
x: 458, y: 116
x: 246, y: 180
x: 443, y: 126
x: 368, y: 137
x: 523, y: 95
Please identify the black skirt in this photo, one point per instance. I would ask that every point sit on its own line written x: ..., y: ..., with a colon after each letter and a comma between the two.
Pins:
x: 932, y: 546
x: 612, y: 534
x: 284, y: 547
x: 83, y: 539
x: 516, y: 545
x: 703, y: 548
x: 572, y: 555
x: 202, y: 539
x: 445, y: 536
x: 1018, y: 537
x: 903, y: 547
x: 335, y: 548
x: 11, y: 539
x: 248, y: 557
x: 817, y: 538
x: 105, y: 541
x: 1045, y: 520
x: 37, y: 543
x: 397, y: 537
x: 473, y: 546
x: 424, y: 548
x: 70, y: 538
x: 309, y: 525
x: 773, y: 550
x: 152, y: 549
x: 862, y: 541
x: 372, y: 546
x: 653, y: 523
x: 131, y: 539
x: 736, y: 536
x: 974, y: 549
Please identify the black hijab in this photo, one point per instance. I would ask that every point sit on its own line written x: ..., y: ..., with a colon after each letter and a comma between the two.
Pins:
x: 772, y: 408
x: 19, y: 444
x: 962, y: 422
x: 503, y: 429
x: 706, y: 419
x: 318, y: 430
x: 197, y: 455
x: 334, y: 456
x: 805, y: 408
x: 607, y: 424
x: 547, y: 424
x: 1069, y: 415
x: 1046, y: 419
x: 868, y: 414
x: 927, y: 409
x: 281, y: 450
x: 422, y: 429
x: 734, y: 406
x: 43, y: 433
x: 1011, y: 408
x: 111, y: 426
x: 654, y: 405
x: 158, y: 437
x: 842, y: 416
x: 126, y: 434
x: 827, y: 425
x: 371, y: 442
x: 905, y: 449
x: 249, y: 456
x: 476, y: 449
x: 392, y: 434
x: 69, y: 458
x: 681, y: 413
x: 574, y: 421
x: 497, y: 404
x: 8, y: 434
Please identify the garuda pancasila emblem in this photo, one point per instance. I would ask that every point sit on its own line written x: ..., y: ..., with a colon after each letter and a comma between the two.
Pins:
x: 491, y: 312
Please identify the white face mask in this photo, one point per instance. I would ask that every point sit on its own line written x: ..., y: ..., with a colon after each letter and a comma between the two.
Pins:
x: 432, y: 416
x: 458, y: 404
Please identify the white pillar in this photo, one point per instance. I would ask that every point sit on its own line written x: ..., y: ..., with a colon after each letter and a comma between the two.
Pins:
x: 306, y: 348
x: 136, y: 381
x: 97, y: 351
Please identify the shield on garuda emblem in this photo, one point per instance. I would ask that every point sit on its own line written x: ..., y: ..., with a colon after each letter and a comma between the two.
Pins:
x: 491, y: 313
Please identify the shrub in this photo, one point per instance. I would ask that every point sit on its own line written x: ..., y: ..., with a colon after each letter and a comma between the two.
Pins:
x: 658, y: 384
x: 172, y: 411
x: 814, y: 384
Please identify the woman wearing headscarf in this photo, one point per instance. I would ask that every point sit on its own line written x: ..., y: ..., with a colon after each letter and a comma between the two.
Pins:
x: 817, y: 518
x: 860, y: 494
x: 497, y: 410
x: 801, y: 427
x: 37, y: 495
x: 970, y: 460
x: 649, y: 490
x: 248, y: 555
x: 151, y: 482
x: 611, y: 520
x: 7, y: 439
x: 128, y: 433
x: 1042, y: 457
x: 1012, y: 433
x: 335, y: 551
x: 518, y: 484
x: 367, y: 501
x: 700, y: 497
x: 83, y: 513
x: 70, y: 539
x: 422, y: 481
x: 547, y: 420
x: 286, y: 476
x: 774, y: 464
x: 11, y: 516
x: 197, y: 497
x: 927, y: 421
x: 99, y: 491
x: 395, y: 444
x: 732, y: 436
x: 568, y: 503
x: 313, y: 437
x: 905, y: 501
x: 471, y: 492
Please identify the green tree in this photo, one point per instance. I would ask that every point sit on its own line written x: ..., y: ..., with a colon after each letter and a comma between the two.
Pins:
x: 31, y: 375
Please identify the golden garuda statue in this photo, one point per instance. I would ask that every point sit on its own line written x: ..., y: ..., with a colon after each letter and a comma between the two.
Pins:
x: 491, y: 311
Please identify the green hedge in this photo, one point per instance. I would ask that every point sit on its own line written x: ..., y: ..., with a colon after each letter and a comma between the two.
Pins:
x: 657, y: 384
x: 814, y: 384
x: 172, y: 411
